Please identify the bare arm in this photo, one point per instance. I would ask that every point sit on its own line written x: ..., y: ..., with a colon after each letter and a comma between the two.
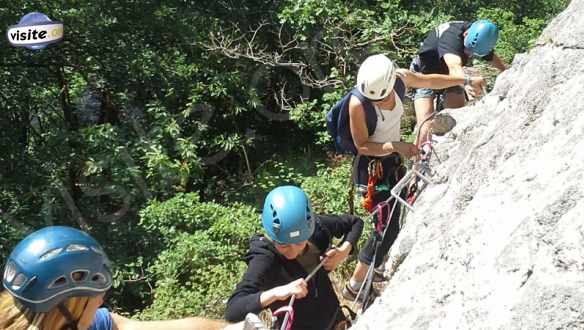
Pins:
x: 192, y: 323
x: 297, y: 288
x: 436, y: 81
x: 335, y: 256
x: 454, y: 63
x: 440, y: 81
x: 433, y: 81
x: 498, y: 63
x: 360, y: 134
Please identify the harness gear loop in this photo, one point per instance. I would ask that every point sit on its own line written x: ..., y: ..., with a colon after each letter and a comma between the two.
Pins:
x: 374, y: 175
x: 380, y: 222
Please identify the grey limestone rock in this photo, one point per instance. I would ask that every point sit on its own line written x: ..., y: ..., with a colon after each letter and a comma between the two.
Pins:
x: 500, y: 244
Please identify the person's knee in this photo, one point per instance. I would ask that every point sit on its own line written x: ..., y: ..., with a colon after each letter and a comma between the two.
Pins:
x: 423, y: 107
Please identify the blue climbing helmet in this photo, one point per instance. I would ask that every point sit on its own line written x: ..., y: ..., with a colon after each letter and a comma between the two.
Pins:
x: 53, y: 264
x: 287, y: 216
x: 481, y: 37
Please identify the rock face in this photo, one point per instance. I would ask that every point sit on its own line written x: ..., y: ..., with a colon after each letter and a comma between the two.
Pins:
x: 500, y: 244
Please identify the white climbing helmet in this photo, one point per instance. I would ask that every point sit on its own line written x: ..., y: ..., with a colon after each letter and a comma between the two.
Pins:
x: 376, y: 77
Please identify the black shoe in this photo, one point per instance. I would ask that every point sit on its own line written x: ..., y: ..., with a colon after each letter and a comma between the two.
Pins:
x: 378, y: 276
x: 350, y: 294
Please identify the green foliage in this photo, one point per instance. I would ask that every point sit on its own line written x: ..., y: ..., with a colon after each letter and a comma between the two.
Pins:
x: 151, y: 115
x: 270, y: 174
x: 276, y: 173
x: 11, y: 234
x: 329, y: 188
x: 201, y: 260
x: 514, y: 37
x: 174, y: 215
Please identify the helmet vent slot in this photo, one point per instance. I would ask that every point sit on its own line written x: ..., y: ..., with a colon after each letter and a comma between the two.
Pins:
x: 10, y: 272
x: 77, y: 248
x: 274, y: 213
x: 30, y: 283
x: 98, y: 279
x: 50, y: 254
x: 79, y: 275
x: 474, y: 40
x: 58, y: 282
x: 19, y: 281
x: 276, y: 226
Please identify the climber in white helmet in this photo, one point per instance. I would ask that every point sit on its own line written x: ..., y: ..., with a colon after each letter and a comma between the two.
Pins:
x: 367, y: 124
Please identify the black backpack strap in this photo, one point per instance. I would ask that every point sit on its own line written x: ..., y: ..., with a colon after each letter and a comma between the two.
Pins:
x: 400, y: 88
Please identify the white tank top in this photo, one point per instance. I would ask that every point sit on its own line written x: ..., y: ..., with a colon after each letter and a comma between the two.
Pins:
x: 388, y: 123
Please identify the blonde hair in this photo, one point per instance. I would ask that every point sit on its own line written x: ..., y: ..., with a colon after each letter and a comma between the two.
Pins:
x: 14, y: 316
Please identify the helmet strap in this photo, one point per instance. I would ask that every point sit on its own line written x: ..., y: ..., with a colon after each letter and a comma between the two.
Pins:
x: 71, y: 323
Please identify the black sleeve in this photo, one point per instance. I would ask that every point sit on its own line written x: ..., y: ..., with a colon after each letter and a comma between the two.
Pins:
x: 343, y: 225
x: 246, y: 297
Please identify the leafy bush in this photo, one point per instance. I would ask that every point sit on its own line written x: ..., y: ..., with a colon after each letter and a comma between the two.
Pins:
x: 329, y: 188
x: 201, y: 260
x: 98, y: 128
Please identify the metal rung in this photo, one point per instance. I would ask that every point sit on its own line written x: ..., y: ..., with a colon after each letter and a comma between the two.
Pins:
x: 395, y: 192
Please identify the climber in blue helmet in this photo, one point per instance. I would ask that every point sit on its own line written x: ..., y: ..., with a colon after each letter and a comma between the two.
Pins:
x: 296, y: 241
x: 56, y: 279
x: 446, y: 50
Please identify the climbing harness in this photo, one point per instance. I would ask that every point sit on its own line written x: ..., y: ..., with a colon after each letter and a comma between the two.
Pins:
x: 374, y: 175
x: 380, y: 215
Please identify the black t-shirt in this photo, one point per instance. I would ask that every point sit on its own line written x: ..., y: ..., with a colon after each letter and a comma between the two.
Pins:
x: 447, y: 38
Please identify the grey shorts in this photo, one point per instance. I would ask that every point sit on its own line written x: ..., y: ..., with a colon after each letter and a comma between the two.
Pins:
x: 419, y: 93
